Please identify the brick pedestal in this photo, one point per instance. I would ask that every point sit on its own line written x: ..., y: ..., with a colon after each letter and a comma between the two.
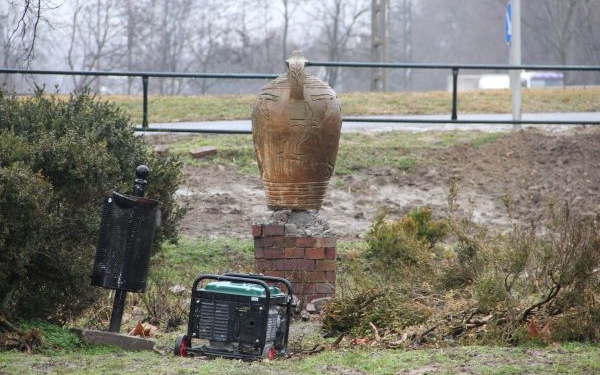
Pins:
x: 309, y: 262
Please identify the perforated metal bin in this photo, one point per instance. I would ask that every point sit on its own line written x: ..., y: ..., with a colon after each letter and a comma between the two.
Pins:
x: 125, y: 242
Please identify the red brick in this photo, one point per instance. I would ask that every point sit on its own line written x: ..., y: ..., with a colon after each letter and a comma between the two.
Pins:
x: 203, y: 151
x: 275, y: 273
x: 314, y: 253
x: 259, y: 252
x: 290, y: 275
x: 293, y: 252
x: 283, y: 241
x: 304, y: 264
x: 315, y: 276
x: 325, y: 241
x: 161, y: 150
x: 305, y: 241
x: 273, y: 253
x: 256, y: 230
x: 330, y: 252
x: 330, y: 277
x: 301, y: 275
x: 263, y: 241
x: 283, y: 264
x: 273, y: 230
x: 325, y: 265
x: 298, y: 288
x: 324, y: 288
x: 263, y: 264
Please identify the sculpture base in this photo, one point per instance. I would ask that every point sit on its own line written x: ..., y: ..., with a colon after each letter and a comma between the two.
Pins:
x: 298, y: 246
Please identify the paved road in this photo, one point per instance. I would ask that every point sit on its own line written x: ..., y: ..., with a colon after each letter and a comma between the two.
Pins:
x: 414, y: 123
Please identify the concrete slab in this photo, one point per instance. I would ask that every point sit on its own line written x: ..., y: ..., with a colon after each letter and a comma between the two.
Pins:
x: 125, y: 342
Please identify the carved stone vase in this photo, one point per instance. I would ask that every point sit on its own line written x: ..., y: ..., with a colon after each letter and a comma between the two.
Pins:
x: 296, y: 124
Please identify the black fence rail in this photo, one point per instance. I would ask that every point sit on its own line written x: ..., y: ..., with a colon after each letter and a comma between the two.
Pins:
x: 454, y: 68
x: 145, y: 76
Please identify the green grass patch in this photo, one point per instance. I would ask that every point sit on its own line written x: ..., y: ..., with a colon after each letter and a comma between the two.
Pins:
x: 486, y: 138
x: 59, y: 340
x: 346, y: 246
x: 186, y: 108
x: 64, y: 354
x: 357, y: 151
x: 399, y: 150
x: 235, y: 150
x: 406, y: 163
x: 358, y: 360
x: 190, y: 257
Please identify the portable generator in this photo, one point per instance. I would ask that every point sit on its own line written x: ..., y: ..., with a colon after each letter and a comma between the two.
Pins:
x: 236, y: 315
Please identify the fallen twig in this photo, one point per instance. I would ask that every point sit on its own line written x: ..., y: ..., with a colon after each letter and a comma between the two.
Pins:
x: 315, y: 349
x: 479, y: 322
x: 337, y: 341
x: 419, y: 339
x: 377, y: 337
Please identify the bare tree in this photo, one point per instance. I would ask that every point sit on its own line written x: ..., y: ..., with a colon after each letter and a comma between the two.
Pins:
x: 165, y: 32
x: 401, y: 38
x: 22, y: 20
x: 244, y: 27
x: 132, y: 8
x: 442, y: 31
x: 289, y: 9
x: 95, y: 40
x: 551, y: 29
x: 590, y: 30
x: 553, y: 24
x: 341, y: 20
x: 205, y: 41
x: 20, y: 25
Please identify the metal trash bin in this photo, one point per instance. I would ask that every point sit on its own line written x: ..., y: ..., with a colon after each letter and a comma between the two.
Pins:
x: 237, y: 316
x: 125, y: 242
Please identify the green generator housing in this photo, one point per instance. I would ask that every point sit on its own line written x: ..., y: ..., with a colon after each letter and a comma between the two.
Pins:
x: 237, y: 315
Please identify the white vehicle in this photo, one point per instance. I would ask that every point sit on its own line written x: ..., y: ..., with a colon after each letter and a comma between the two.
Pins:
x: 542, y: 79
x: 467, y: 82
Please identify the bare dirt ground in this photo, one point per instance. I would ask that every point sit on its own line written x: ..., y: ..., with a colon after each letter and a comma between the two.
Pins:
x: 531, y: 167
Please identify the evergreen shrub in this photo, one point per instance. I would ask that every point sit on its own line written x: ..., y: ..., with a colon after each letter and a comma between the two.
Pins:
x: 58, y: 159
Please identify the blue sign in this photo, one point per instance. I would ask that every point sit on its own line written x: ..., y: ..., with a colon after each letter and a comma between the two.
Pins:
x: 507, y: 23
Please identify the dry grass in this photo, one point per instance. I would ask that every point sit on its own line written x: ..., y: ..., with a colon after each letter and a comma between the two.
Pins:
x: 232, y: 107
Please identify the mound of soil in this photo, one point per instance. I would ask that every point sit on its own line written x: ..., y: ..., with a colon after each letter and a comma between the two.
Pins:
x: 529, y: 168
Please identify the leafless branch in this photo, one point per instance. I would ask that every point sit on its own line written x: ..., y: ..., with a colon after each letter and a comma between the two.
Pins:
x: 551, y: 295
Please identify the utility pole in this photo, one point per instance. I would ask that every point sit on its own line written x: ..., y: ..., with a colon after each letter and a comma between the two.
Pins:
x: 379, y: 43
x: 406, y: 41
x: 514, y: 20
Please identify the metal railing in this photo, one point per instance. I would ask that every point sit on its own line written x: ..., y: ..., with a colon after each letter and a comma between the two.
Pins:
x: 145, y: 76
x: 454, y: 68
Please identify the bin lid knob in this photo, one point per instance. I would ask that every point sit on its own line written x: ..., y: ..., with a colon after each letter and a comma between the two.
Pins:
x: 141, y: 174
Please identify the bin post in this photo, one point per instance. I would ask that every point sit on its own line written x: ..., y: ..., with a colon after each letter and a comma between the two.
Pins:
x: 117, y: 311
x: 141, y: 174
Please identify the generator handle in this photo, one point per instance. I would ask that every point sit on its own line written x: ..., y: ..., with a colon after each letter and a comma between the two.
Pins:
x: 288, y: 285
x: 233, y: 278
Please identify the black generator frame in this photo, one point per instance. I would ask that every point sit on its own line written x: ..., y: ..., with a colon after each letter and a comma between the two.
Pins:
x: 183, y: 343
